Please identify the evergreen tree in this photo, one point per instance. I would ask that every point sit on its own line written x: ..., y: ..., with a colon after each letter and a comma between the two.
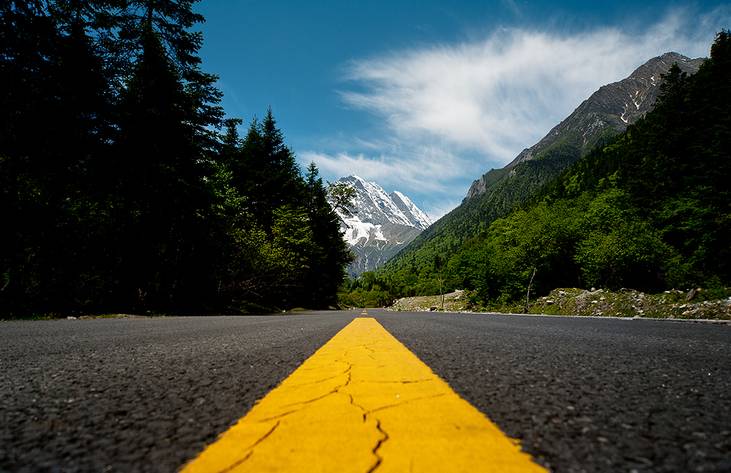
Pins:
x: 54, y: 75
x: 128, y: 197
x: 161, y: 179
x: 165, y: 140
x: 331, y: 254
x: 273, y: 178
x: 27, y: 56
x: 247, y: 172
x: 172, y: 21
x: 650, y: 209
x: 230, y: 153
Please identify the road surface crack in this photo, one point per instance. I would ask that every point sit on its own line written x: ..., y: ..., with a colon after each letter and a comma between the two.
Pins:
x: 250, y: 450
x: 371, y: 351
x: 405, y: 381
x: 379, y: 444
x: 384, y: 435
x: 366, y: 416
x: 408, y: 401
x: 346, y: 371
x: 303, y: 404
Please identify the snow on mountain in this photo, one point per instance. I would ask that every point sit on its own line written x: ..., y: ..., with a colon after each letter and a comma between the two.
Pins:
x: 372, y: 204
x: 378, y: 224
x: 418, y: 218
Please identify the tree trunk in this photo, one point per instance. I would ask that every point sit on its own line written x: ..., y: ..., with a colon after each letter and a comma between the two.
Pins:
x: 441, y: 291
x: 527, y: 295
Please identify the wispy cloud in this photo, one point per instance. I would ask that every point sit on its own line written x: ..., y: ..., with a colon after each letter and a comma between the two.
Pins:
x: 452, y: 111
x: 512, y: 6
x: 428, y: 169
x: 427, y: 175
x: 495, y: 95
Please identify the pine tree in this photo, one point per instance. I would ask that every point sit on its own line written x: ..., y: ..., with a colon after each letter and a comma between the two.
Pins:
x: 27, y: 54
x: 132, y: 199
x: 54, y: 75
x: 283, y: 183
x: 172, y: 21
x: 268, y: 173
x: 231, y: 142
x: 331, y: 254
x: 160, y: 180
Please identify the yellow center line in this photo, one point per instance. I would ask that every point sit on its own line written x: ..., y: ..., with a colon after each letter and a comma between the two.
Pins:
x: 363, y: 402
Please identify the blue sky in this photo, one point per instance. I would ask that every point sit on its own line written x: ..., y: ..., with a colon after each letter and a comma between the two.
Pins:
x: 425, y: 96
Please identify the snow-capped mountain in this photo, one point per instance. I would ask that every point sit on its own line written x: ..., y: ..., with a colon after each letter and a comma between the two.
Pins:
x: 378, y: 224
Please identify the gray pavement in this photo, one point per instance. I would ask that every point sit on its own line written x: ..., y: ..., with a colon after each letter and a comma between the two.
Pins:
x: 589, y: 395
x: 139, y: 394
x: 581, y: 394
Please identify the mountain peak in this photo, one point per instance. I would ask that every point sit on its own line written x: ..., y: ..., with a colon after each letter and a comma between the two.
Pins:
x: 673, y: 56
x: 418, y: 218
x: 352, y: 177
x: 609, y: 110
x: 380, y: 207
x: 378, y: 224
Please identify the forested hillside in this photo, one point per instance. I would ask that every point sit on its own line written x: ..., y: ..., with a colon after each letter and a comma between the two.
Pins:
x: 599, y: 118
x: 650, y: 210
x: 124, y: 188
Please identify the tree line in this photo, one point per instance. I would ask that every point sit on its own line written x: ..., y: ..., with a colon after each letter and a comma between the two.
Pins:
x: 648, y: 210
x: 123, y: 186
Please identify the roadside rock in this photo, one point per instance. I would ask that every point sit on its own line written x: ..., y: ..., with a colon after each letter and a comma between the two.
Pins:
x: 453, y: 302
x: 673, y: 303
x: 630, y: 303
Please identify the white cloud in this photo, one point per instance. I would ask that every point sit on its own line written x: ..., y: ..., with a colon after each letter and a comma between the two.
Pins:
x: 512, y: 6
x: 499, y: 95
x: 430, y: 179
x: 438, y: 209
x: 452, y: 111
x: 431, y: 170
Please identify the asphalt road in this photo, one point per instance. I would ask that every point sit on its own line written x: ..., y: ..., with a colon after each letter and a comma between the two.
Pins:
x: 139, y: 394
x: 581, y: 394
x: 589, y: 395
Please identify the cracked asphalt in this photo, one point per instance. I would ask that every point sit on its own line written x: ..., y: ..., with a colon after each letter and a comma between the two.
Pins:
x: 582, y: 395
x: 586, y: 394
x: 363, y: 403
x: 139, y: 394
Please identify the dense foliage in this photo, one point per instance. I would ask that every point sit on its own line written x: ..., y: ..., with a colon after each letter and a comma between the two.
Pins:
x: 118, y: 189
x: 650, y: 210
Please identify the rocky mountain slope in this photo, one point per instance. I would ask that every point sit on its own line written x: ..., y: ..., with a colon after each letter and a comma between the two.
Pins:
x: 378, y: 225
x: 607, y: 112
